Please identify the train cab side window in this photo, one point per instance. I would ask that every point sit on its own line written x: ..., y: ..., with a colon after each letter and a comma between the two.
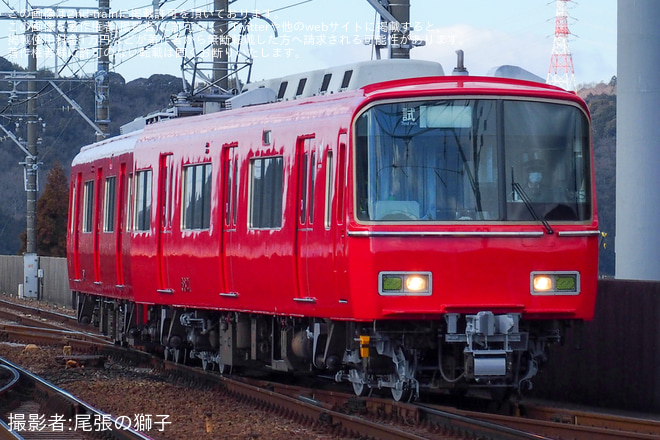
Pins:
x: 197, y: 196
x: 265, y: 211
x: 88, y: 206
x: 142, y: 220
x: 109, y: 205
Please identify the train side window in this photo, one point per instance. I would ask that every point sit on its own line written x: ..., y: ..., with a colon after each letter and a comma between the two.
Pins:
x: 109, y: 205
x: 328, y: 189
x: 197, y: 196
x: 88, y: 206
x: 142, y: 220
x: 265, y: 211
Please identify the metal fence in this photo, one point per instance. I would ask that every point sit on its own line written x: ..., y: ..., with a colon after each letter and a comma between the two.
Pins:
x: 616, y: 361
x: 54, y: 284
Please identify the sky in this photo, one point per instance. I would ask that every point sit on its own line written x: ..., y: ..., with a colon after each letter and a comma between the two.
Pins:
x: 315, y: 34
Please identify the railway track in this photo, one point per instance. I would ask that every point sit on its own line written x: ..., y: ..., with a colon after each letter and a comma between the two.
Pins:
x: 347, y: 416
x: 36, y: 409
x: 38, y: 317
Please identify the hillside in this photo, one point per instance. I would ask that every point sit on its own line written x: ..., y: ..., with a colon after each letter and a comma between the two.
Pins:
x: 601, y: 99
x: 65, y: 133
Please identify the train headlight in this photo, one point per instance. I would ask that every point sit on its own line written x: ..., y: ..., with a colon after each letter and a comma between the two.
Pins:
x: 404, y: 283
x: 417, y: 283
x: 555, y: 283
x: 542, y: 283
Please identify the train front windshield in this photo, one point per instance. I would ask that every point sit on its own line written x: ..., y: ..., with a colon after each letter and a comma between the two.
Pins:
x: 472, y: 160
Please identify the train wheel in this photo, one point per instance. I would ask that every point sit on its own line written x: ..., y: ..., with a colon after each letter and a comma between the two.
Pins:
x: 357, y: 379
x: 402, y: 395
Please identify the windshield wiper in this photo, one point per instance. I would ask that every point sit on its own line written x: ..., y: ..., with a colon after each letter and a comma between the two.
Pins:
x: 528, y: 203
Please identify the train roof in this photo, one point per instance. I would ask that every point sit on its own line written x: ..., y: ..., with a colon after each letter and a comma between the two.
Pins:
x: 368, y: 81
x: 114, y: 146
x: 344, y: 78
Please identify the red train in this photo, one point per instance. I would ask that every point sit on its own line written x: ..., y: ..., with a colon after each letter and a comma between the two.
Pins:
x: 434, y: 231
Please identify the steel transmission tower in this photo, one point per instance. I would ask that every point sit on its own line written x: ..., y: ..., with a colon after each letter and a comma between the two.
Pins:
x: 561, y: 71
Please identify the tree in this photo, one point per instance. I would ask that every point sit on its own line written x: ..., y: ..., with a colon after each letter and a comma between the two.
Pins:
x: 52, y: 211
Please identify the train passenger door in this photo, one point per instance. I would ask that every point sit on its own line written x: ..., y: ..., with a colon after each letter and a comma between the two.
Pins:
x: 74, y: 228
x: 120, y: 224
x: 339, y: 260
x: 306, y: 160
x: 165, y: 191
x: 97, y: 226
x: 229, y: 188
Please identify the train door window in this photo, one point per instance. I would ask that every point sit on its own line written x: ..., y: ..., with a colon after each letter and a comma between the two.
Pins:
x: 142, y: 211
x: 328, y: 189
x: 231, y: 186
x: 234, y: 200
x: 307, y: 181
x: 340, y: 183
x: 88, y: 206
x: 312, y: 185
x: 109, y: 205
x: 129, y: 196
x: 197, y: 196
x: 303, y: 188
x: 265, y: 210
x: 73, y: 211
x: 166, y: 191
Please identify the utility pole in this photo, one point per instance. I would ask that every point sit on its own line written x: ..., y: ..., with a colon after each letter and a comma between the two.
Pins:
x: 102, y: 80
x: 394, y: 28
x: 400, y: 35
x: 221, y: 46
x: 30, y: 259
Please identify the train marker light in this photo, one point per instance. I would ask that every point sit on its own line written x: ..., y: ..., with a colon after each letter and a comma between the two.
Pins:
x: 555, y: 283
x: 404, y: 283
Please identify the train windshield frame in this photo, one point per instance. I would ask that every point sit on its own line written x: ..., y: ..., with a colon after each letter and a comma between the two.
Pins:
x: 472, y: 159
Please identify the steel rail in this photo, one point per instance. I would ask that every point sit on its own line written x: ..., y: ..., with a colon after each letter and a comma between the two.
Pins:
x: 15, y: 376
x: 303, y: 408
x: 552, y: 429
x: 50, y: 335
x: 75, y: 405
